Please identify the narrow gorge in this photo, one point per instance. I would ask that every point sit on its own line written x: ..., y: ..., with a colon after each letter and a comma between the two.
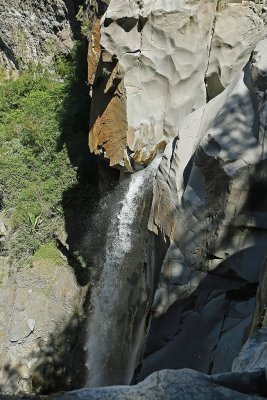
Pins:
x: 133, y: 205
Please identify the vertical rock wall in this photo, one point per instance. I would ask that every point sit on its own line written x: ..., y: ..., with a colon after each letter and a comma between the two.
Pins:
x: 153, y: 67
x: 153, y: 63
x: 210, y: 201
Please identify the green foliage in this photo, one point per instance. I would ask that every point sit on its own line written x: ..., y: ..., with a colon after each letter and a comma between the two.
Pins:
x: 37, y: 133
x: 221, y: 5
x: 85, y: 23
x: 48, y: 252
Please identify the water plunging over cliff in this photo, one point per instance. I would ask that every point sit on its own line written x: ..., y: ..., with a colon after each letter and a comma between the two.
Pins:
x: 121, y: 298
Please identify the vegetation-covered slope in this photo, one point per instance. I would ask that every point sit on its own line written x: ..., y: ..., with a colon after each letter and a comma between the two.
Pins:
x: 42, y: 122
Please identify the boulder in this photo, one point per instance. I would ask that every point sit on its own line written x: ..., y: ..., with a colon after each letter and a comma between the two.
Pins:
x: 179, y: 385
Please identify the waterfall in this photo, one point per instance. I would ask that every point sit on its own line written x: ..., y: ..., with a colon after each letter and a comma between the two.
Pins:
x: 121, y: 297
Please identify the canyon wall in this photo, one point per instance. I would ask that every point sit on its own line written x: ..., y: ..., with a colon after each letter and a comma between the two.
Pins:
x: 35, y: 31
x: 186, y: 80
x: 210, y: 201
x: 153, y: 63
x: 179, y: 76
x: 41, y: 305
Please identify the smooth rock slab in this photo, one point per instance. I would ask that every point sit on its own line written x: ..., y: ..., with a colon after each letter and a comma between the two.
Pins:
x: 210, y: 202
x: 179, y: 385
x: 151, y: 63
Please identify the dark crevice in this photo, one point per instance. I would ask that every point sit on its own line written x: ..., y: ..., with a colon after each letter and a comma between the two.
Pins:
x: 126, y: 23
x: 73, y: 8
x: 230, y: 275
x: 9, y: 53
x: 141, y: 23
x: 243, y: 293
x: 213, y: 257
x: 133, y: 52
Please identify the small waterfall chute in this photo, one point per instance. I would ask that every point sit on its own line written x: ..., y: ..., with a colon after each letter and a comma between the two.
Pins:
x: 121, y: 296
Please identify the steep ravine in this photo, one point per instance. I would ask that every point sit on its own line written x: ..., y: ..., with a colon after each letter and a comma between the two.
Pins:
x: 161, y: 278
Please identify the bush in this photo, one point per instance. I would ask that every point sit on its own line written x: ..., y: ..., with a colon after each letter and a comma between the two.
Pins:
x: 35, y: 170
x: 48, y: 252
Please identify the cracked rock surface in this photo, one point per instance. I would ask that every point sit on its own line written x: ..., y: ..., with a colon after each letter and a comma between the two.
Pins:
x: 35, y: 30
x: 210, y: 202
x: 153, y: 63
x: 253, y: 355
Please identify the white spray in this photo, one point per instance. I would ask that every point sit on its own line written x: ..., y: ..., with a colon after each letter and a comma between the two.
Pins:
x: 120, y: 299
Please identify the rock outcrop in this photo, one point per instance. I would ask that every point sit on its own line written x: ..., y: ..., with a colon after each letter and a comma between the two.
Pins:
x: 40, y: 317
x: 153, y: 63
x: 210, y: 202
x: 35, y: 31
x: 177, y: 385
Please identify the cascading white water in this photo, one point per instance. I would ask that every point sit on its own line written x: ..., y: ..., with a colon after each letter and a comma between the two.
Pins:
x: 127, y: 214
x: 120, y: 299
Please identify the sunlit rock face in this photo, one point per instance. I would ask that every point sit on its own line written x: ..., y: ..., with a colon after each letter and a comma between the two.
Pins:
x: 151, y: 63
x: 39, y: 328
x: 36, y: 30
x: 210, y: 202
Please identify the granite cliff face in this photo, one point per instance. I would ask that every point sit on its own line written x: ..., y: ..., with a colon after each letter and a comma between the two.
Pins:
x: 150, y: 65
x: 181, y: 76
x: 209, y: 201
x: 36, y: 30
